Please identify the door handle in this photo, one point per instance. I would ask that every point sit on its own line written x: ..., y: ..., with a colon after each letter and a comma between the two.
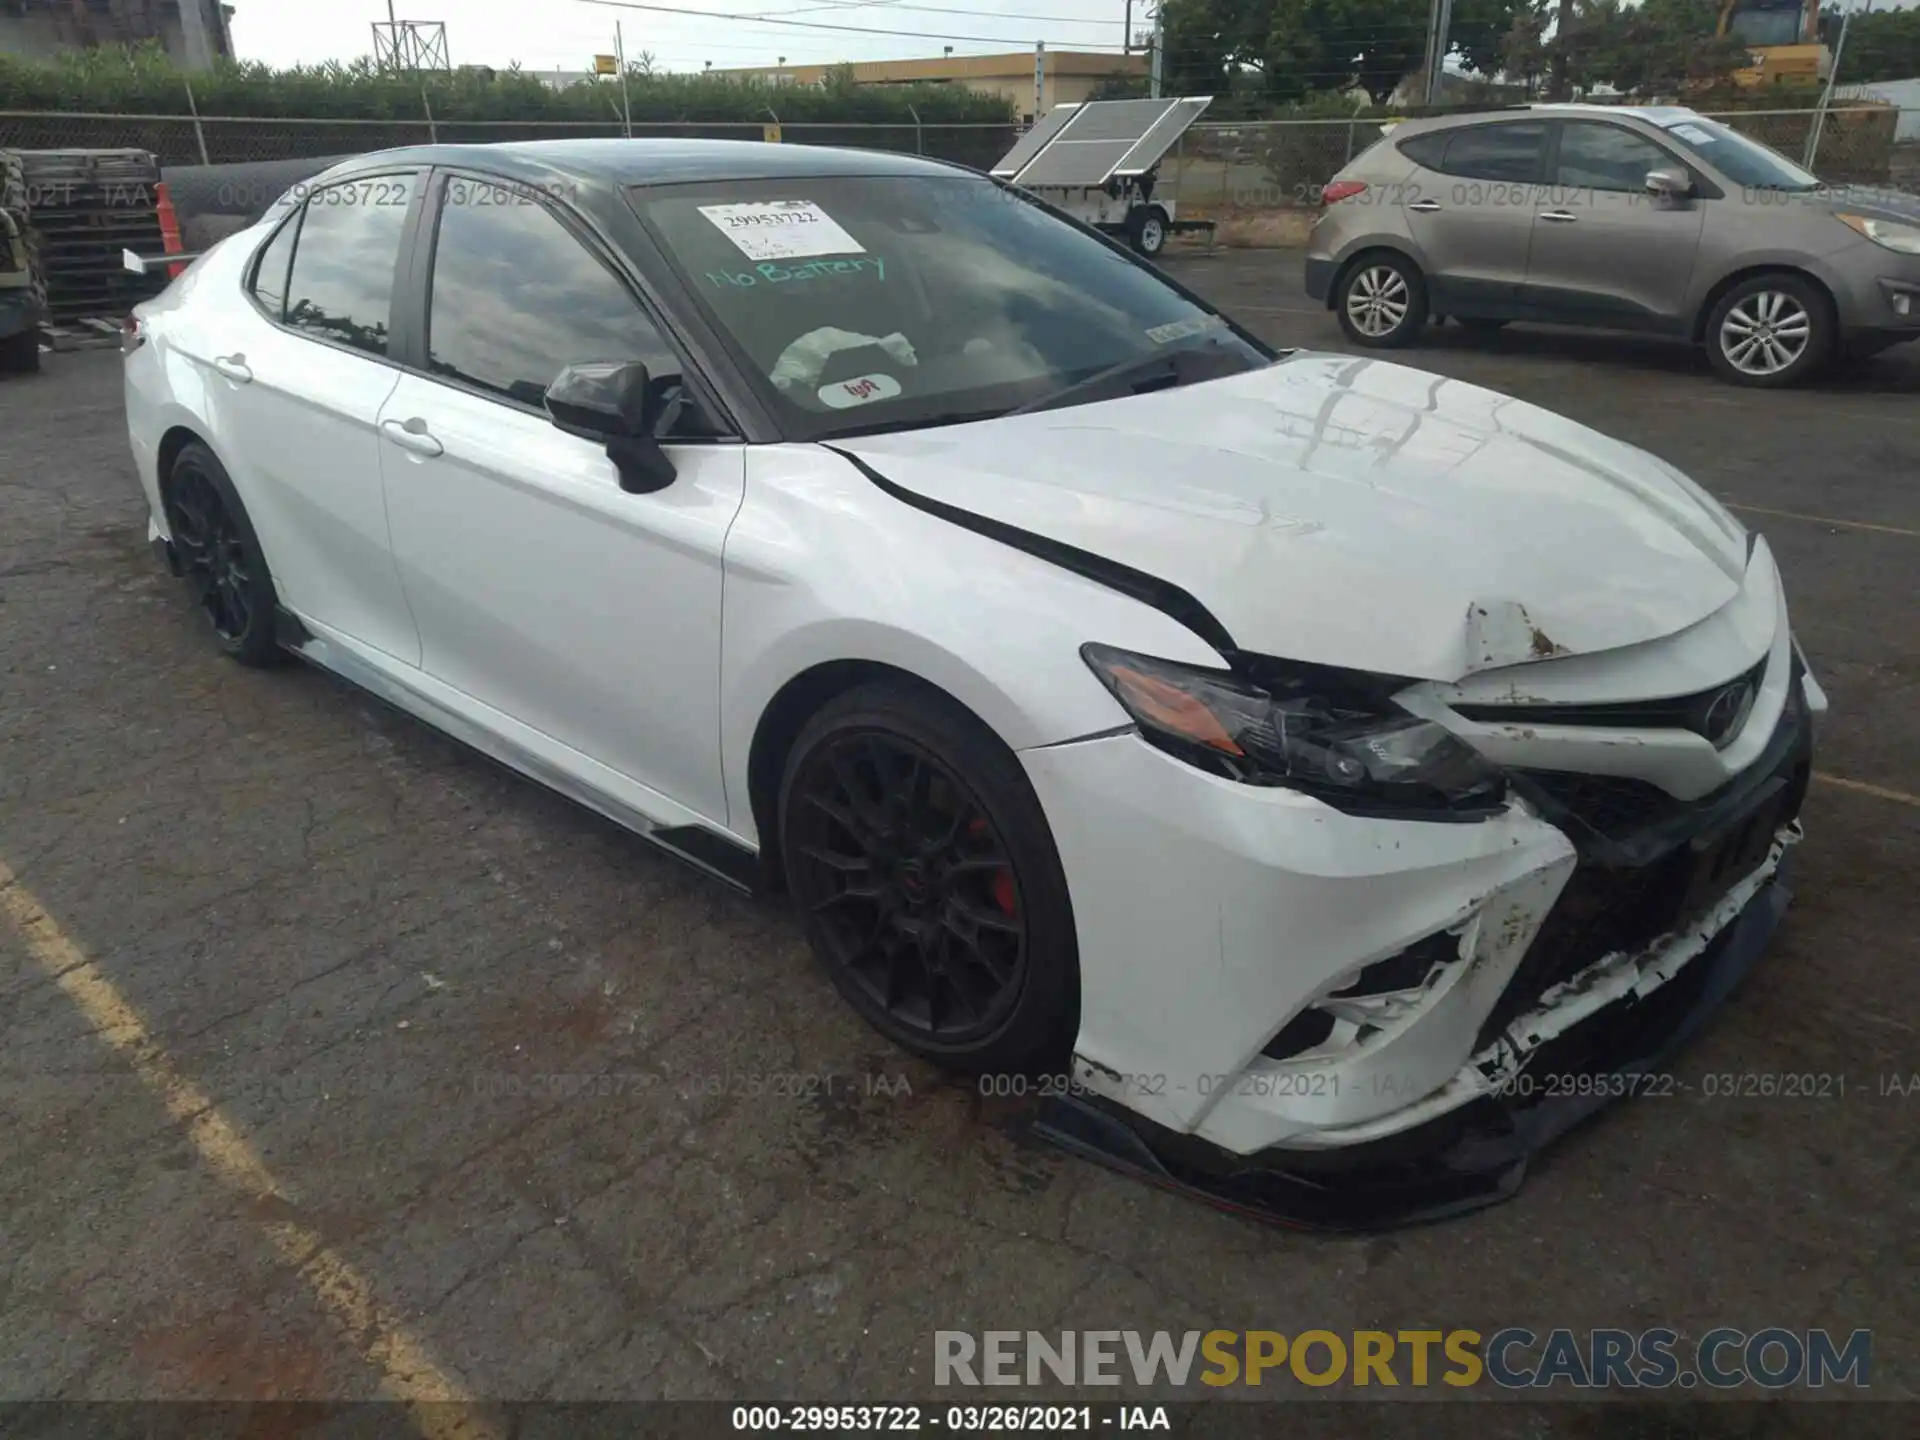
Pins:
x: 1425, y: 207
x: 412, y: 435
x: 1559, y: 217
x: 234, y: 367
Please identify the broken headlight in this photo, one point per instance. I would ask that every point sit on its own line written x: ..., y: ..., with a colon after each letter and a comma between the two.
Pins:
x: 1327, y: 733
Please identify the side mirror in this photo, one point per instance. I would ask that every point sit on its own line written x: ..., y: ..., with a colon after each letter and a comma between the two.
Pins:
x: 1669, y: 184
x: 617, y: 402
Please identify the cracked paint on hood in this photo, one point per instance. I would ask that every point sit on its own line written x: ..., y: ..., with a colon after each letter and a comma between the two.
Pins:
x: 1353, y: 512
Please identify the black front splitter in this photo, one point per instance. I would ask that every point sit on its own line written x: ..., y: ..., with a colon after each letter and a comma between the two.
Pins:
x: 1470, y: 1158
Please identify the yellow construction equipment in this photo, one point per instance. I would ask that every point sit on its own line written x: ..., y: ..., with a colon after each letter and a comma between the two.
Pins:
x: 1782, y: 37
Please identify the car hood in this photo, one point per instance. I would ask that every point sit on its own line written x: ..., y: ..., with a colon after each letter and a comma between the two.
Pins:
x: 1351, y: 512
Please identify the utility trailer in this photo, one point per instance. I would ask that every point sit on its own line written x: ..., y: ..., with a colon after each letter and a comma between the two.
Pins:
x: 1098, y: 161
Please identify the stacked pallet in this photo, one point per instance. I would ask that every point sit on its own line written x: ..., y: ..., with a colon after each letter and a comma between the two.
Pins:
x: 84, y: 207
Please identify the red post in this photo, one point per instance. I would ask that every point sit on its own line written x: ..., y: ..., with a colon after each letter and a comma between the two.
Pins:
x: 169, y: 226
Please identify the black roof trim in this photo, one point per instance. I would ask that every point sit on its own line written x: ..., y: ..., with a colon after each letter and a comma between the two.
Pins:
x: 1169, y: 599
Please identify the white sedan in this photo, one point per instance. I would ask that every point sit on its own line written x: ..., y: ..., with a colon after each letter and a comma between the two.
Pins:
x: 1322, y: 780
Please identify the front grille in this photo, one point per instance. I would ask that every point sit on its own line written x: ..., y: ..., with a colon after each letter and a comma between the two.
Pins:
x: 1613, y: 805
x: 1716, y: 714
x: 1603, y: 909
x: 1623, y: 897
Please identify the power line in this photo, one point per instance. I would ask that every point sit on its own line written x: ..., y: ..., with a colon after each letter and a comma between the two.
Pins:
x: 1022, y: 41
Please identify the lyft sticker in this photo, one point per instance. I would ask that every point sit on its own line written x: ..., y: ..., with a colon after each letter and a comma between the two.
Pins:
x: 862, y: 390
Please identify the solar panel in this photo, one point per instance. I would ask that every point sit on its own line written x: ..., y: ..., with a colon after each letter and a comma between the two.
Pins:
x: 1031, y: 143
x: 1099, y: 140
x: 1157, y: 141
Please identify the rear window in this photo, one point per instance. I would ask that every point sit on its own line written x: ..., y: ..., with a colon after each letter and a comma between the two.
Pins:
x: 1427, y: 150
x: 1496, y: 152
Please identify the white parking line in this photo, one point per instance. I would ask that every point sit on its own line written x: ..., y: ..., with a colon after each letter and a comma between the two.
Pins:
x: 437, y: 1405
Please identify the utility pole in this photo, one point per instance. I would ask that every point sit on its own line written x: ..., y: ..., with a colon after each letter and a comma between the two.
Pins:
x: 1039, y: 80
x: 1557, y: 86
x: 1440, y: 20
x: 1159, y: 49
x: 620, y: 58
x: 1126, y: 42
x: 1826, y: 96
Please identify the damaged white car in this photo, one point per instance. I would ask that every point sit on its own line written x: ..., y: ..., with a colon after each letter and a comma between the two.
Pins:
x: 1323, y: 780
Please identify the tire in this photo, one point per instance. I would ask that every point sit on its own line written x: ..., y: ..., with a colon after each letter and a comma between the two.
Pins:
x: 20, y: 354
x: 1770, y: 332
x: 1148, y: 228
x: 1481, y: 325
x: 1381, y: 300
x: 219, y: 555
x: 926, y: 879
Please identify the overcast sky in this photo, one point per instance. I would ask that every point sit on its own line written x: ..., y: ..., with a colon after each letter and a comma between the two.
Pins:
x: 566, y: 34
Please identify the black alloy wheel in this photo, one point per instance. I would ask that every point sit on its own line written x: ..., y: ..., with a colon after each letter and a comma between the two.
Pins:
x: 911, y: 887
x: 210, y: 552
x: 216, y: 551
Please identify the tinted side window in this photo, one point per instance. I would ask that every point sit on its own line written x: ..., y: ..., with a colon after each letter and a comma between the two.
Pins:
x: 343, y: 261
x: 270, y: 272
x: 1496, y: 152
x: 1605, y: 157
x: 1425, y: 150
x: 517, y: 298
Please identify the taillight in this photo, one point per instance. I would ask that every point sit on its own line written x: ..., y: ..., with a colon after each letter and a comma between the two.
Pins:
x: 133, y: 334
x: 1338, y: 190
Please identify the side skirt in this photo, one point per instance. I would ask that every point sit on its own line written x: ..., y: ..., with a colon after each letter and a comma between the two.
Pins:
x: 706, y: 849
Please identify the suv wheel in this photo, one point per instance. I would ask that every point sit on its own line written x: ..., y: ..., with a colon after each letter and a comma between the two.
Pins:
x: 1382, y: 301
x: 1772, y: 330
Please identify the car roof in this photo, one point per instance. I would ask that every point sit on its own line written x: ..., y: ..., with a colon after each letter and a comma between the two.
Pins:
x: 1662, y: 115
x: 650, y: 161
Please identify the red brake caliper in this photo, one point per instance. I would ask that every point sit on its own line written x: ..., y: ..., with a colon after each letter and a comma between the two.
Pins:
x: 1002, y: 886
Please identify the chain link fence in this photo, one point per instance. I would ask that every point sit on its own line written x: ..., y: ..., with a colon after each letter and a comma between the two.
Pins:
x: 226, y: 140
x: 1230, y: 171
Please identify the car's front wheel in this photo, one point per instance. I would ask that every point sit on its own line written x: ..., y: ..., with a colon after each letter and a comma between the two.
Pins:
x: 926, y: 878
x: 215, y: 549
x: 1770, y: 331
x: 1382, y: 300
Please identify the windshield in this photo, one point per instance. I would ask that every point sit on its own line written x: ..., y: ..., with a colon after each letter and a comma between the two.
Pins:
x: 1744, y: 161
x: 878, y: 302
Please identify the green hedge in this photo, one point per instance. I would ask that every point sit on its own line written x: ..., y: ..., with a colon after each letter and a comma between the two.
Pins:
x: 141, y: 80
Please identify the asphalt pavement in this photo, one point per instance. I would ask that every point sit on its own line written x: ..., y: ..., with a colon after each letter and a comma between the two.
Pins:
x: 330, y: 1054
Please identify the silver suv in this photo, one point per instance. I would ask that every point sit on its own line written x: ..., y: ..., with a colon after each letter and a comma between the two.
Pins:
x: 1654, y: 219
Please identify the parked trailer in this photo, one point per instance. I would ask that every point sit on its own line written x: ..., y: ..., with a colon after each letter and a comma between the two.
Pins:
x: 1099, y: 161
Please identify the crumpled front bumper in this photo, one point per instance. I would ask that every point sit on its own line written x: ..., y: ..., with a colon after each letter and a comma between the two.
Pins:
x: 1468, y: 1158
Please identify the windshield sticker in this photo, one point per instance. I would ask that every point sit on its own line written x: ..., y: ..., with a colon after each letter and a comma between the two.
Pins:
x: 1181, y: 329
x: 782, y: 230
x: 769, y: 272
x: 1692, y: 134
x: 861, y: 390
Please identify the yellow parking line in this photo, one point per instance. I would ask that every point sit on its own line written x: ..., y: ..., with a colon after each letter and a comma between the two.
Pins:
x: 1881, y: 792
x: 1825, y: 520
x: 438, y: 1406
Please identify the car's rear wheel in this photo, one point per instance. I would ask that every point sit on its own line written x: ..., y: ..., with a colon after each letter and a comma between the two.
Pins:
x: 1381, y: 300
x: 217, y: 552
x: 1770, y: 331
x: 927, y: 881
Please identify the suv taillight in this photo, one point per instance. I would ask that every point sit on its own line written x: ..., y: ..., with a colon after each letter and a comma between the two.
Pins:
x: 1338, y: 190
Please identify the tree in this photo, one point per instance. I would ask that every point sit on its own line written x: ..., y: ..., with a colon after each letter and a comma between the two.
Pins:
x: 1881, y: 45
x: 1298, y: 47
